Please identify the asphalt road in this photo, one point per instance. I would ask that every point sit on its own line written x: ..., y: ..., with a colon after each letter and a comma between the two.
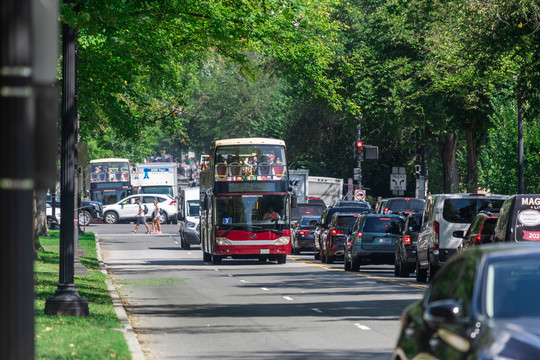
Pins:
x: 183, y: 308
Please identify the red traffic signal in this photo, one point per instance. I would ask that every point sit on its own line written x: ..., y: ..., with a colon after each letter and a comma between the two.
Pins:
x: 359, y: 147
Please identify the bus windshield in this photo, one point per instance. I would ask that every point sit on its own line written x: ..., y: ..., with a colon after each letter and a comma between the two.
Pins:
x: 252, y: 212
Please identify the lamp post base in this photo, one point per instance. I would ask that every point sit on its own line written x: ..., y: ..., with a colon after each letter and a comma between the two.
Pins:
x: 67, y: 302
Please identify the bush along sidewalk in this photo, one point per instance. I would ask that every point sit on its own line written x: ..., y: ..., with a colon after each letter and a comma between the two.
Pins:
x: 97, y: 336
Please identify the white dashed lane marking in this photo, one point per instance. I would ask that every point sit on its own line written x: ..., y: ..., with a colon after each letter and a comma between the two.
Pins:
x: 288, y: 298
x: 317, y: 310
x: 362, y: 327
x: 265, y: 289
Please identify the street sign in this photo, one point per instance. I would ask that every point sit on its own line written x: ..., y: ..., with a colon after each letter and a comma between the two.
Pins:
x: 359, y: 195
x: 398, y: 182
x: 350, y: 188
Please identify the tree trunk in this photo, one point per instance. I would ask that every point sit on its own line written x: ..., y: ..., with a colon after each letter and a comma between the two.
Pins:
x: 476, y: 138
x: 40, y: 218
x: 447, y: 145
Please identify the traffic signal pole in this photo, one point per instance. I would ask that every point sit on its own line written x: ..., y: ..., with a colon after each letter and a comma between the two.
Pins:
x: 358, y: 148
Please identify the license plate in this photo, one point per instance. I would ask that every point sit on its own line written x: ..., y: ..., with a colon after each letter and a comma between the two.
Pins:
x: 265, y: 251
x: 385, y: 240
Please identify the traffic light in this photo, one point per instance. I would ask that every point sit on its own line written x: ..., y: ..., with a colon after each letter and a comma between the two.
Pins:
x: 358, y: 149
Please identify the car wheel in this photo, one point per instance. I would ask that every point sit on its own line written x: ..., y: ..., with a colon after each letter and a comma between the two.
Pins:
x: 165, y: 219
x: 403, y: 269
x: 330, y: 259
x: 84, y: 217
x: 282, y: 258
x: 396, y: 261
x: 216, y: 259
x: 316, y: 255
x: 432, y: 270
x: 421, y: 274
x: 184, y: 244
x: 346, y: 263
x: 110, y: 217
x: 355, y: 264
x: 296, y: 251
x: 206, y: 257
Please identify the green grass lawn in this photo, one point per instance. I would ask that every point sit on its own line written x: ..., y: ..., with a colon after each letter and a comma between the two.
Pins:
x: 94, y: 337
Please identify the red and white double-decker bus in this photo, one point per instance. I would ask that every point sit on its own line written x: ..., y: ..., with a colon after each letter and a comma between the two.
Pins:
x: 245, y: 201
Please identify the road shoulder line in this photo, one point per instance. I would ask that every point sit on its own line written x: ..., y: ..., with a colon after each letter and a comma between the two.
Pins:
x: 129, y: 334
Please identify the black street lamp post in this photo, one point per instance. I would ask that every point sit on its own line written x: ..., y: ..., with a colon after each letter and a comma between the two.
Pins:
x: 66, y: 300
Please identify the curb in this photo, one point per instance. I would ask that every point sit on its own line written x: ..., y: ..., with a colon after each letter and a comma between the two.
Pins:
x: 127, y: 329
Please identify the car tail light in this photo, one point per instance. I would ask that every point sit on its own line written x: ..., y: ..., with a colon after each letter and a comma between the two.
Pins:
x: 385, y: 210
x: 406, y: 198
x: 172, y: 203
x: 436, y: 233
x: 478, y: 239
x: 304, y: 232
x: 407, y: 240
x: 308, y: 212
x: 336, y: 232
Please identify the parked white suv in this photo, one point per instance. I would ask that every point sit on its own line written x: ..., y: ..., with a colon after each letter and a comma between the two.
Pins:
x: 126, y: 209
x: 445, y: 219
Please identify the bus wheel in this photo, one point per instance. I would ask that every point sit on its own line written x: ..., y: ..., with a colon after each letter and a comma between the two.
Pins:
x: 282, y: 258
x: 216, y: 259
x: 206, y: 257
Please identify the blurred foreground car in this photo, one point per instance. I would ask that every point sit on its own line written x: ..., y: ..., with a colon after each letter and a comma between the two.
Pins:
x: 483, y: 304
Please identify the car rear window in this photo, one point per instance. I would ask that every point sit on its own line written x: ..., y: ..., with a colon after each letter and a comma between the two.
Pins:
x: 489, y: 227
x: 383, y: 225
x: 464, y: 210
x: 307, y: 221
x: 399, y: 205
x: 307, y: 210
x: 346, y: 221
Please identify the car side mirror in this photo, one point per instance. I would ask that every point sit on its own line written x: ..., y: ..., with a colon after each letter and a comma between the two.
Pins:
x: 443, y: 311
x: 458, y: 234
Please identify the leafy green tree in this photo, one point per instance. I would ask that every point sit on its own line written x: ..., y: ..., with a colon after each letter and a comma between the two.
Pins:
x: 498, y: 170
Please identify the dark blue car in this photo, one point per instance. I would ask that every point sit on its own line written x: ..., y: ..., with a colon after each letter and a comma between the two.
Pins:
x: 372, y: 240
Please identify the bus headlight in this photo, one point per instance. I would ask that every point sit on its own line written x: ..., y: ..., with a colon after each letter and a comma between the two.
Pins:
x: 223, y: 241
x: 284, y: 240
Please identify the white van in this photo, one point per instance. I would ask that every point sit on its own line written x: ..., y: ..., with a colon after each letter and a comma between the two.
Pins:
x: 188, y: 217
x: 445, y: 218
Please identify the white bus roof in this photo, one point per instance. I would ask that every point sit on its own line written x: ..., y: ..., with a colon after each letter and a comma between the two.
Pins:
x: 108, y: 160
x: 250, y: 141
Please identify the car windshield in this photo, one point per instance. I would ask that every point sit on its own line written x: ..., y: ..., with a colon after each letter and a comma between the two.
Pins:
x: 385, y: 225
x: 513, y: 288
x: 464, y: 210
x: 192, y: 208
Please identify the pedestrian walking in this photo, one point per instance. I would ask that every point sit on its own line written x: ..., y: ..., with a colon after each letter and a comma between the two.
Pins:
x: 141, y: 217
x: 156, y: 219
